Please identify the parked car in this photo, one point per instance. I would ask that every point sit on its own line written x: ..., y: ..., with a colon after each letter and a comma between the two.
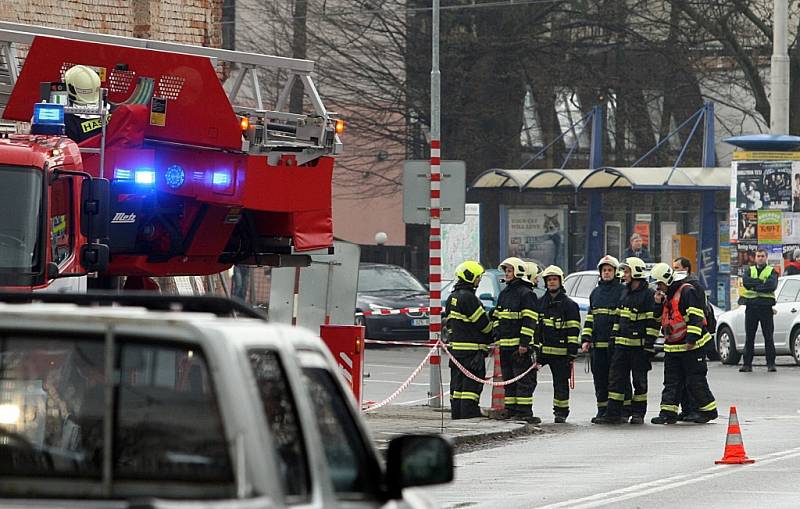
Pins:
x: 384, y: 287
x: 202, y: 411
x: 579, y: 286
x: 731, y: 333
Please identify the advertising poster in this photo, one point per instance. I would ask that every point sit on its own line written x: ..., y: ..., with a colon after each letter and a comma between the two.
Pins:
x: 746, y: 256
x: 790, y: 253
x: 769, y: 227
x: 461, y: 241
x: 777, y: 185
x: 643, y: 229
x: 724, y: 253
x: 774, y: 256
x: 796, y: 187
x: 748, y: 186
x: 791, y: 228
x: 538, y: 235
x: 748, y: 226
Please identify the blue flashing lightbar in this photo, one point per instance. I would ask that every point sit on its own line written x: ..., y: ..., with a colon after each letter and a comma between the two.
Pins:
x: 221, y: 178
x: 47, y: 119
x: 122, y: 174
x: 145, y: 177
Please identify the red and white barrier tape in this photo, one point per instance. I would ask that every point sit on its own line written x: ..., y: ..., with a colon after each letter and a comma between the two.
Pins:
x: 401, y: 311
x: 488, y: 381
x: 398, y: 343
x: 404, y: 385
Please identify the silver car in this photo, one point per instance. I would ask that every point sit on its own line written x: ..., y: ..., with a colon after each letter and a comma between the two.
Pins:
x: 731, y: 332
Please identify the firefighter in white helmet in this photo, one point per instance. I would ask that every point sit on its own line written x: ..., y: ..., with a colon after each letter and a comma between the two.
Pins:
x: 557, y: 337
x: 685, y: 336
x: 83, y: 88
x: 597, y: 329
x: 634, y: 335
x: 514, y: 323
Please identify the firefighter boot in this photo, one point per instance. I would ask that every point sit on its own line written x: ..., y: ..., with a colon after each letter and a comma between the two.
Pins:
x: 664, y: 419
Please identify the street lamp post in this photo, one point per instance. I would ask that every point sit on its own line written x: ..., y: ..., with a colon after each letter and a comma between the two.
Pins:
x: 779, y: 70
x: 435, y: 241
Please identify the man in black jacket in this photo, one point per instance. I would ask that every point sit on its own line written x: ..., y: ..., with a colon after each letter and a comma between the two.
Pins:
x: 470, y: 333
x: 557, y: 337
x: 598, y: 326
x: 514, y: 322
x: 634, y: 335
x: 760, y: 282
x: 680, y: 306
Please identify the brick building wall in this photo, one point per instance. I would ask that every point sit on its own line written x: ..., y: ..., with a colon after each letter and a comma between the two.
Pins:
x: 196, y: 22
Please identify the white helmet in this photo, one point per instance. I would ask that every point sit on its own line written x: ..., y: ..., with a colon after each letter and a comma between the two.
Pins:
x: 532, y: 272
x: 636, y: 265
x: 83, y: 85
x: 552, y: 270
x: 520, y: 269
x: 608, y: 260
x: 663, y: 273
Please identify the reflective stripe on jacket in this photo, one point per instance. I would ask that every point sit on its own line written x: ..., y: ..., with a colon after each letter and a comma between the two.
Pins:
x: 684, y: 318
x: 515, y: 315
x: 467, y: 323
x: 559, y: 325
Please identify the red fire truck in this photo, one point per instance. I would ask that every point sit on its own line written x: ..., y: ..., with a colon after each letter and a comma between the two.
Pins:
x: 180, y: 182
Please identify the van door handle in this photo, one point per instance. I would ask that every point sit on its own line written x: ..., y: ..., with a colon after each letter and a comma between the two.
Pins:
x: 794, y: 310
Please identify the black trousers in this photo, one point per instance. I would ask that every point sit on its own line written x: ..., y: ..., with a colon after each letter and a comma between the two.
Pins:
x: 686, y: 372
x: 507, y: 354
x: 601, y: 362
x: 688, y: 404
x: 753, y: 315
x: 628, y: 364
x: 465, y: 393
x: 560, y: 368
x: 518, y: 398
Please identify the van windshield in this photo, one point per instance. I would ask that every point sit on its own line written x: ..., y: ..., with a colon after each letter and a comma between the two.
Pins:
x: 166, y: 424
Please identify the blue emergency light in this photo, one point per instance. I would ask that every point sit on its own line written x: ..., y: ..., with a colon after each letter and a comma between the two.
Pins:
x: 48, y: 118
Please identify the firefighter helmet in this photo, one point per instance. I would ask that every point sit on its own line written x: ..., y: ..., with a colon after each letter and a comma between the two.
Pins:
x: 469, y: 271
x: 663, y: 273
x: 533, y: 271
x: 608, y: 260
x: 83, y: 85
x: 552, y: 270
x: 520, y: 269
x: 636, y: 265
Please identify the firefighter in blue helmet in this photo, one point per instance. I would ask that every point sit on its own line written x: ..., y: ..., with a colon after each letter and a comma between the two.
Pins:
x: 557, y: 337
x: 514, y: 322
x: 470, y: 332
x: 603, y: 309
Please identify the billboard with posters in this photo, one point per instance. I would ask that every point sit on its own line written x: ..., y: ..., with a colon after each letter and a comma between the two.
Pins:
x: 538, y: 234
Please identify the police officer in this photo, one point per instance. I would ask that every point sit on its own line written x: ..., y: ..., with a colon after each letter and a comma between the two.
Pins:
x: 681, y: 308
x: 470, y: 333
x: 83, y: 89
x: 598, y: 326
x: 759, y: 283
x: 557, y: 337
x: 634, y: 335
x: 514, y: 321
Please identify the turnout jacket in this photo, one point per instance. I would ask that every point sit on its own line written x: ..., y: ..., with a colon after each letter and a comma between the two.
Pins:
x: 467, y: 322
x: 515, y: 315
x: 603, y: 310
x: 760, y: 285
x: 636, y: 325
x: 559, y: 325
x: 691, y: 308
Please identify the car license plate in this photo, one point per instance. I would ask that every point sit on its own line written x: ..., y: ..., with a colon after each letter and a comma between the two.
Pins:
x: 419, y: 322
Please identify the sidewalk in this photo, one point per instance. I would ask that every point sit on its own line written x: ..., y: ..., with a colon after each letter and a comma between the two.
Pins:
x: 394, y: 420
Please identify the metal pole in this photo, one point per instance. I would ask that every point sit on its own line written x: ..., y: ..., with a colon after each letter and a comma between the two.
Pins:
x: 435, y: 277
x: 709, y: 154
x: 779, y: 97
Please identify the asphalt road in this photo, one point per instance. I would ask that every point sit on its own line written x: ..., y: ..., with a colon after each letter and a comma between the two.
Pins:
x: 585, y: 465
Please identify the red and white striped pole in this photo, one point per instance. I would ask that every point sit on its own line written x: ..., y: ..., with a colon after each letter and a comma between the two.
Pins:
x: 435, y: 244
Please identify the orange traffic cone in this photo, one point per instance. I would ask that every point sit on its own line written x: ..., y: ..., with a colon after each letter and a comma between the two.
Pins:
x: 498, y: 392
x: 734, y: 447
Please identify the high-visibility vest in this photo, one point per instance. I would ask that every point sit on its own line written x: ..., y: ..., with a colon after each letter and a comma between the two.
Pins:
x: 766, y: 272
x: 673, y: 322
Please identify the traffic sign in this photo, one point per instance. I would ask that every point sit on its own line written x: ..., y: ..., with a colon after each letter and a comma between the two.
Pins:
x: 417, y: 192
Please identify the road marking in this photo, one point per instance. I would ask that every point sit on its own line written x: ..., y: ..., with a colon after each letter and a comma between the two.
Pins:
x: 669, y: 483
x: 398, y: 382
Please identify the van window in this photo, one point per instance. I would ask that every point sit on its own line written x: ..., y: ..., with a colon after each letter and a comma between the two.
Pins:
x: 585, y: 286
x: 166, y: 423
x: 281, y: 415
x: 569, y: 284
x: 60, y: 220
x: 789, y: 291
x: 353, y: 473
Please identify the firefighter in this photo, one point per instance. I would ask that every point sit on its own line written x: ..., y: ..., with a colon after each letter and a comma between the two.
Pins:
x: 533, y: 274
x: 514, y: 322
x: 470, y: 332
x: 83, y: 88
x: 634, y: 335
x: 597, y: 328
x: 681, y: 308
x: 557, y: 337
x: 760, y: 281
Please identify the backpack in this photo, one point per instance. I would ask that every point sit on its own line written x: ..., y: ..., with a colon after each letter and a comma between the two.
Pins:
x: 711, y: 320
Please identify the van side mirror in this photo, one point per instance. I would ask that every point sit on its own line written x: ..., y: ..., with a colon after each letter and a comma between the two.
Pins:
x: 95, y: 208
x: 417, y: 460
x: 486, y: 296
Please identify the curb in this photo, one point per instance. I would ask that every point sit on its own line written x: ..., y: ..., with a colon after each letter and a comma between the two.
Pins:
x: 476, y: 439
